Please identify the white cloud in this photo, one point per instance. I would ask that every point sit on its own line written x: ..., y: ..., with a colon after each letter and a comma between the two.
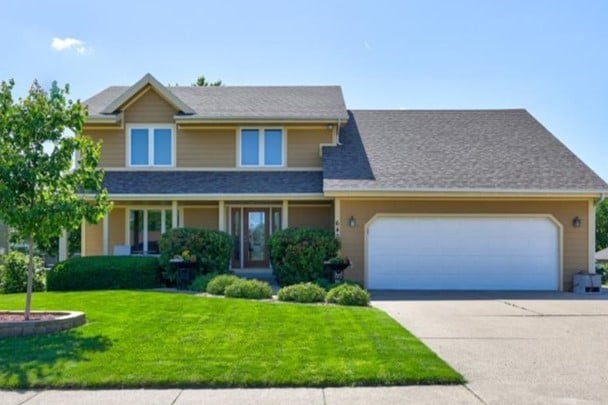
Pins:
x: 67, y: 44
x: 367, y: 45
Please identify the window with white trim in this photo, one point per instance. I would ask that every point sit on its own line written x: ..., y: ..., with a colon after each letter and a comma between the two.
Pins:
x: 262, y: 147
x: 146, y: 225
x: 150, y: 146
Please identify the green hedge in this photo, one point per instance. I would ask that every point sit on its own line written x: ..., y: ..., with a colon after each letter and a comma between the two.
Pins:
x: 104, y: 273
x: 297, y: 254
x: 251, y: 289
x: 348, y: 294
x: 303, y: 292
x: 13, y: 273
x: 212, y: 249
x: 217, y: 285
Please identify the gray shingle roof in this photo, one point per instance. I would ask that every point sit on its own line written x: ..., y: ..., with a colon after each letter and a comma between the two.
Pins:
x: 493, y: 150
x: 203, y: 182
x: 602, y: 255
x: 246, y: 102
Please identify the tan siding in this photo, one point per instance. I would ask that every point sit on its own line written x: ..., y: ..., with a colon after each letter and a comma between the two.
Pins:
x: 303, y: 146
x: 93, y: 239
x: 575, y: 240
x: 149, y: 108
x: 206, y: 148
x: 201, y: 218
x: 116, y: 223
x: 311, y: 217
x: 112, y: 148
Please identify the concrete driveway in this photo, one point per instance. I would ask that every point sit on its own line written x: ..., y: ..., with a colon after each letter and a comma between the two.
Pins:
x: 513, y: 348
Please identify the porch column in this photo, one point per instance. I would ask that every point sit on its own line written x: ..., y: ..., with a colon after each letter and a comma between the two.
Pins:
x: 63, y: 245
x: 83, y: 238
x: 173, y: 214
x: 337, y: 217
x: 106, y: 235
x: 284, y: 215
x: 221, y: 216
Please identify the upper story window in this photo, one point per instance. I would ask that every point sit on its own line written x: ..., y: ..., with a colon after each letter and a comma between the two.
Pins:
x: 150, y: 145
x: 262, y: 147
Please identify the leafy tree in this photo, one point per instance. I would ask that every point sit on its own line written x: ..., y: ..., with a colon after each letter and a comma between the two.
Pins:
x: 201, y: 81
x: 41, y: 190
x: 601, y: 226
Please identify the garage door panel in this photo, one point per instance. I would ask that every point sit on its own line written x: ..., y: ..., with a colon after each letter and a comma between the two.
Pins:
x: 470, y: 253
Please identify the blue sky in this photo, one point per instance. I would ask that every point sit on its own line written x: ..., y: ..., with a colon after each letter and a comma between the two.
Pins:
x: 549, y: 57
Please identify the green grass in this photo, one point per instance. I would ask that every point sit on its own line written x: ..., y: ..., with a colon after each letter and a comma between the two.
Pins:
x: 151, y: 339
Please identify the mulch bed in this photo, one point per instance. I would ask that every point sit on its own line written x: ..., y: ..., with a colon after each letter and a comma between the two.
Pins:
x: 19, y: 317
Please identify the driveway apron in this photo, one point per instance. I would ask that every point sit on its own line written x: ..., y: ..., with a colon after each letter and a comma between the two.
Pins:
x: 513, y: 348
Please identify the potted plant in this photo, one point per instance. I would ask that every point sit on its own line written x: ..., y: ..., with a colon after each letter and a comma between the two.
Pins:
x: 337, y: 264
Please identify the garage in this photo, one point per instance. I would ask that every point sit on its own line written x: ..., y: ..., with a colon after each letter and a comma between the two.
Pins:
x: 460, y: 252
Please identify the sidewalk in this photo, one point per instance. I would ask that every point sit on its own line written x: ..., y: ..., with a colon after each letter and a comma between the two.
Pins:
x: 436, y: 395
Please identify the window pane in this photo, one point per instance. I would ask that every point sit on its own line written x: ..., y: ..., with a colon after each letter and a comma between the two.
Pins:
x: 136, y: 230
x: 250, y: 147
x: 273, y: 147
x: 162, y: 146
x: 139, y: 146
x: 154, y: 230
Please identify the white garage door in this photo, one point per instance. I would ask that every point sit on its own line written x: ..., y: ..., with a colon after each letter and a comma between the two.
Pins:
x: 463, y: 253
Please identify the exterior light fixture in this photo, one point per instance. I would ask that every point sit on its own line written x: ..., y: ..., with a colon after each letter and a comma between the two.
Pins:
x: 576, y: 222
x: 330, y: 126
x: 352, y: 222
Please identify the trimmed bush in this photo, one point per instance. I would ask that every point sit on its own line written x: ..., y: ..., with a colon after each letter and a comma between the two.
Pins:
x: 348, y: 294
x: 104, y: 273
x: 13, y: 273
x: 328, y: 285
x: 303, y: 292
x: 297, y: 254
x: 200, y: 283
x: 212, y: 249
x: 218, y: 284
x: 252, y: 289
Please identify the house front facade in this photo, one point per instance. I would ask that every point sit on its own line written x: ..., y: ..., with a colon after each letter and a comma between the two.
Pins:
x: 420, y: 199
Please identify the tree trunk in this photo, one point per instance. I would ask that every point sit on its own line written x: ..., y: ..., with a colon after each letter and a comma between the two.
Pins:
x: 30, y: 280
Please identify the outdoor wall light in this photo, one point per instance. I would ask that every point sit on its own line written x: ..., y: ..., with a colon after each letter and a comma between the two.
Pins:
x: 576, y: 222
x: 352, y: 222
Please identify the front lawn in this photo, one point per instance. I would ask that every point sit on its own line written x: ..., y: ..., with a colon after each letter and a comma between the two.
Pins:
x: 152, y: 339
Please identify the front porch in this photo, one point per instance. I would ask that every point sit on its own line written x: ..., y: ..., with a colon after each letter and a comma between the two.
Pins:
x: 135, y: 227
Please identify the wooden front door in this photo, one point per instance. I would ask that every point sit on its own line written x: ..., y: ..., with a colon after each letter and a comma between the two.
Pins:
x: 256, y: 231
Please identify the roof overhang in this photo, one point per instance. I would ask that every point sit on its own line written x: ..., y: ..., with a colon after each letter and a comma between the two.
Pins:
x: 468, y: 193
x: 212, y: 197
x: 197, y: 119
x: 147, y: 80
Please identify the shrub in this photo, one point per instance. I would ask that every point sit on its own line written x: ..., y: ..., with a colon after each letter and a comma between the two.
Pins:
x: 200, y: 282
x: 328, y: 285
x: 13, y: 273
x: 252, y: 289
x: 218, y: 284
x: 303, y: 292
x: 104, y: 273
x: 348, y: 294
x: 212, y: 249
x: 297, y: 254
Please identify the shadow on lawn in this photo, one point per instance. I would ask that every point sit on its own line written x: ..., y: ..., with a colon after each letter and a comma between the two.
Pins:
x: 28, y: 361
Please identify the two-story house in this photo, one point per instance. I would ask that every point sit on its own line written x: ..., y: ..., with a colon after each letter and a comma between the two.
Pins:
x: 420, y: 199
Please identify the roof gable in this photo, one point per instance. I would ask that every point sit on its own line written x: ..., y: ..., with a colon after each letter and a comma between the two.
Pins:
x: 147, y: 80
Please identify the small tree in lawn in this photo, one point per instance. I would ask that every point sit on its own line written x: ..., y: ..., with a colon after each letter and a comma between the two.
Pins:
x: 41, y: 191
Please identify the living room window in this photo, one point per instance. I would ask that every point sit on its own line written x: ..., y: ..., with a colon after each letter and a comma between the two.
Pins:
x: 150, y: 145
x: 261, y: 147
x: 146, y: 227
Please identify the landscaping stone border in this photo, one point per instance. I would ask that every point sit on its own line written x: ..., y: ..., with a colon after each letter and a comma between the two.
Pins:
x: 65, y: 320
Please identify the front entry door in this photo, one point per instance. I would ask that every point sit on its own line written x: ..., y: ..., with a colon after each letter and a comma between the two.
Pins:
x: 255, y: 237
